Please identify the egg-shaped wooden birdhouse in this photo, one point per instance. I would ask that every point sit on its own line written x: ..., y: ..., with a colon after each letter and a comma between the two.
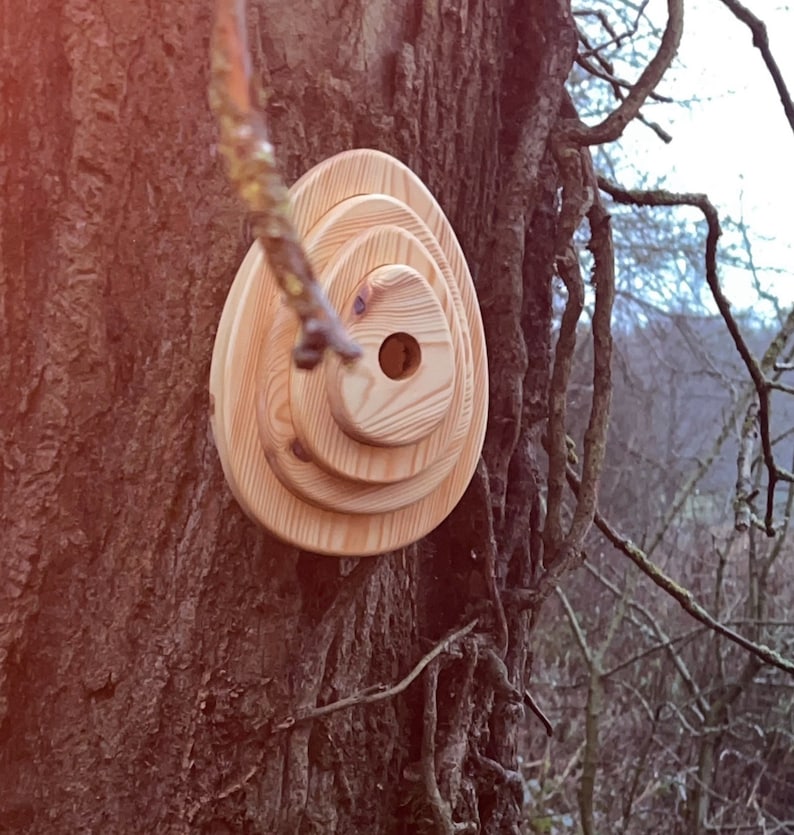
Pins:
x: 360, y: 458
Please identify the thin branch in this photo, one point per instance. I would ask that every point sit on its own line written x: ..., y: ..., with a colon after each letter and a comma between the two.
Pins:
x: 601, y: 16
x: 654, y: 627
x: 756, y: 370
x: 590, y: 754
x: 681, y: 595
x: 573, y: 208
x: 745, y: 491
x: 579, y: 196
x: 613, y: 126
x: 769, y: 361
x: 615, y: 37
x: 491, y: 554
x: 378, y: 692
x: 786, y: 389
x: 576, y: 627
x: 669, y: 644
x: 761, y: 42
x: 441, y: 810
x: 768, y: 297
x: 595, y: 436
x: 617, y: 86
x: 252, y: 169
x: 535, y: 708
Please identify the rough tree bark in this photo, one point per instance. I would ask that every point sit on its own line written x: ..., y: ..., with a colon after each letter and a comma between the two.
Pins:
x: 152, y: 638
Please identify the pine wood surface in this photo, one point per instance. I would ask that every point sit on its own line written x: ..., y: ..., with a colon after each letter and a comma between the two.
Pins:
x: 345, y: 460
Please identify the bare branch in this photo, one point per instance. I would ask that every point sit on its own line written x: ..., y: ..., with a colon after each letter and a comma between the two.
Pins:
x: 616, y: 37
x: 441, y: 811
x: 595, y: 437
x: 378, y: 692
x: 616, y: 83
x: 756, y: 370
x: 761, y: 42
x: 613, y: 126
x: 252, y: 169
x: 579, y: 196
x: 617, y: 86
x: 535, y: 708
x: 491, y: 554
x: 573, y: 209
x: 681, y: 595
x: 742, y: 508
x: 576, y: 627
x: 653, y: 626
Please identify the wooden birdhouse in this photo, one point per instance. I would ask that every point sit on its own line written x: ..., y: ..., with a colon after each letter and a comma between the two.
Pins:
x: 361, y: 458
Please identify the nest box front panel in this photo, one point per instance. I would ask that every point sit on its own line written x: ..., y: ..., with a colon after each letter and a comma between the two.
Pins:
x: 362, y: 458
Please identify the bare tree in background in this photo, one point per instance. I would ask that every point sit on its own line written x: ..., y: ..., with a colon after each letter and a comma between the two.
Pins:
x: 664, y: 725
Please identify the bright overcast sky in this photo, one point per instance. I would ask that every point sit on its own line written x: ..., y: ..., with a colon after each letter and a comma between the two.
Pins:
x: 734, y: 141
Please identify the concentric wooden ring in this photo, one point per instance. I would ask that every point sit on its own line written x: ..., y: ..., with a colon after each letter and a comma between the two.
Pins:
x: 361, y: 459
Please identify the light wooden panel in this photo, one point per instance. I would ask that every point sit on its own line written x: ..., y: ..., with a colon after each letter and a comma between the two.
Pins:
x: 374, y: 401
x: 345, y: 460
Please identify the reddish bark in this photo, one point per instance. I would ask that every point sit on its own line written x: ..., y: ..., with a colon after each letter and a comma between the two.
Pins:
x: 150, y: 634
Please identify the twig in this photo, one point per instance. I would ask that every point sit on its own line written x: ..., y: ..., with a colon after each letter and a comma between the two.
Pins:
x: 535, y: 708
x: 681, y: 595
x: 761, y: 42
x: 617, y: 86
x: 595, y: 436
x: 652, y: 626
x: 669, y: 644
x: 441, y: 810
x: 613, y: 126
x: 605, y: 73
x: 252, y: 169
x: 580, y: 196
x: 786, y: 389
x: 756, y: 370
x: 595, y: 690
x: 615, y: 37
x: 491, y: 553
x: 600, y: 15
x: 573, y: 209
x: 742, y: 508
x: 377, y: 693
x: 576, y: 627
x: 769, y: 361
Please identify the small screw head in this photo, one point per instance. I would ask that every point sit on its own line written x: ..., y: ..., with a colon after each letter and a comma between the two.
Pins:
x: 299, y: 451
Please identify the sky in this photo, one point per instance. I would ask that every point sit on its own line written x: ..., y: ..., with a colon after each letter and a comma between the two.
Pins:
x: 732, y: 139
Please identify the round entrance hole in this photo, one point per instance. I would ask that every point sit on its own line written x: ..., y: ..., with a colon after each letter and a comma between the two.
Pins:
x: 399, y: 356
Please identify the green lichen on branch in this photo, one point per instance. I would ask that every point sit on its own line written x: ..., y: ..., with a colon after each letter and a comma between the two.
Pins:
x: 251, y: 166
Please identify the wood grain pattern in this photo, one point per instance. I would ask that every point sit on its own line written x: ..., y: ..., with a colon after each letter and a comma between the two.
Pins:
x: 397, y: 399
x: 349, y: 460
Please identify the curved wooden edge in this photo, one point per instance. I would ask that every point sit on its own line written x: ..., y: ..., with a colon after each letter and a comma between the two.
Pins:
x: 234, y: 371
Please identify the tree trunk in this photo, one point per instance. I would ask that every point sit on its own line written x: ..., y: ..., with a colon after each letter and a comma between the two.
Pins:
x: 153, y: 640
